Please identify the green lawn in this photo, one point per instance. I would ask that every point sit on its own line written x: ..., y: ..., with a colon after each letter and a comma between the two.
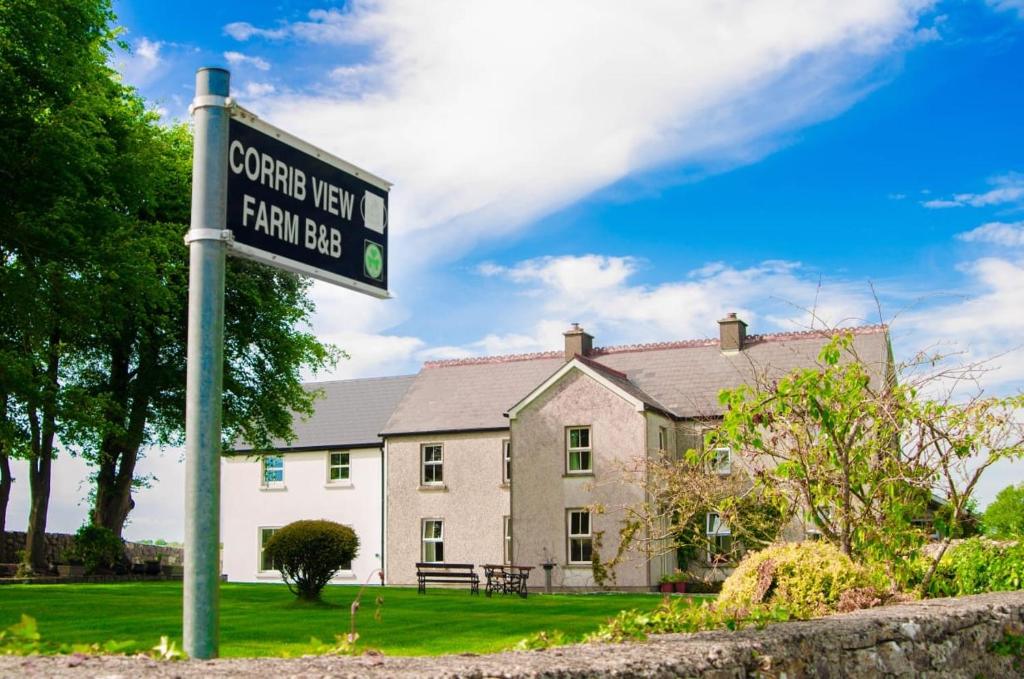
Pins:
x: 265, y: 619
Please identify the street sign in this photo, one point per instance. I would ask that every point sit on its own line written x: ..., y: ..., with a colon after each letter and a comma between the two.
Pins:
x: 297, y: 207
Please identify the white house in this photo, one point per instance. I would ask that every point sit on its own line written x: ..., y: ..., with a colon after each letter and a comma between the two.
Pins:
x: 333, y: 470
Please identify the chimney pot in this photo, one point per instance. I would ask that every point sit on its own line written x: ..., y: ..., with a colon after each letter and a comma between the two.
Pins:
x: 732, y: 332
x: 577, y: 341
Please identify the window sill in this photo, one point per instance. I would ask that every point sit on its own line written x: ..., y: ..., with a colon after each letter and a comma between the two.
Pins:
x: 505, y: 485
x: 338, y: 484
x: 436, y: 487
x: 268, y: 575
x: 273, y: 489
x: 579, y: 565
x: 575, y: 475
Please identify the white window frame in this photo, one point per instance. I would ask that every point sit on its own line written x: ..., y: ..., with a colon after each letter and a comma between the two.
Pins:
x: 581, y: 537
x: 259, y: 548
x: 264, y: 482
x: 716, y: 528
x: 424, y: 540
x: 721, y: 462
x: 506, y: 461
x: 346, y: 466
x: 507, y: 526
x: 438, y: 464
x: 579, y: 450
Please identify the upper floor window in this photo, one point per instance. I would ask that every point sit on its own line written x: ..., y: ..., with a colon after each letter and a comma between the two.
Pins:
x: 433, y: 540
x: 580, y: 539
x: 506, y: 461
x: 433, y: 464
x: 662, y: 440
x: 338, y: 467
x: 273, y: 470
x: 721, y: 461
x: 578, y: 454
x: 719, y: 539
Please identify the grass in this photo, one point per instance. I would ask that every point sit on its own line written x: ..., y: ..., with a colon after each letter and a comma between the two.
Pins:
x: 266, y: 620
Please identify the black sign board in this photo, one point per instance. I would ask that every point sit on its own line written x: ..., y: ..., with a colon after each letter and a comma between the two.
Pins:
x: 299, y: 208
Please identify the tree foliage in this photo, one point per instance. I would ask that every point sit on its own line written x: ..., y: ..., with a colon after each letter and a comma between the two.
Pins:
x: 308, y: 553
x: 1004, y: 518
x: 871, y: 452
x: 94, y: 273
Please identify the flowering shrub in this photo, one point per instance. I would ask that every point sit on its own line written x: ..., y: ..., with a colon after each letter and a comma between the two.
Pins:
x: 806, y: 578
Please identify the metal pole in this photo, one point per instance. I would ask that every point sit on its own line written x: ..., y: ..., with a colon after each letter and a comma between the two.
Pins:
x: 206, y: 241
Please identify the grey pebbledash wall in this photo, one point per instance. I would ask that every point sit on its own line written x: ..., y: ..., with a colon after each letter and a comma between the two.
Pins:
x: 938, y: 638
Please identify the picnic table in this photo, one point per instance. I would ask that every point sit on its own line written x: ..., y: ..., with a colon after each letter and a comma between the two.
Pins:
x: 506, y: 578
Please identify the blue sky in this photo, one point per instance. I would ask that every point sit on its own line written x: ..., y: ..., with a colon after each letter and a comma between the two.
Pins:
x: 641, y: 168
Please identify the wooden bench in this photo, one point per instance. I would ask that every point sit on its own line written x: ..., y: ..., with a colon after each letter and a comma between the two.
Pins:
x: 447, y: 572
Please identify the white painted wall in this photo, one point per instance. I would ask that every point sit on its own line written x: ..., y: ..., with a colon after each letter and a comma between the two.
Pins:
x: 246, y: 507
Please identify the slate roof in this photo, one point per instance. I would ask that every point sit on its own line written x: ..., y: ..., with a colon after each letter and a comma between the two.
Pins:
x: 680, y: 378
x: 350, y: 413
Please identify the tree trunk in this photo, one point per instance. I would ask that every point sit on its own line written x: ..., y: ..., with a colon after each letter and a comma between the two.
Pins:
x: 39, y: 467
x: 126, y: 426
x: 5, y: 495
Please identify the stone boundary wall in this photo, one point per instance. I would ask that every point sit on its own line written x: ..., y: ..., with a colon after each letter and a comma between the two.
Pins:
x: 56, y: 543
x: 949, y: 638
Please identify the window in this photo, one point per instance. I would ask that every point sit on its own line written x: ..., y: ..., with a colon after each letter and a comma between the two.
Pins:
x: 338, y: 467
x: 662, y: 440
x: 506, y: 461
x: 273, y: 470
x: 581, y: 541
x: 433, y: 465
x: 508, y: 539
x: 266, y: 563
x: 433, y: 540
x: 719, y: 540
x: 721, y: 463
x: 578, y: 454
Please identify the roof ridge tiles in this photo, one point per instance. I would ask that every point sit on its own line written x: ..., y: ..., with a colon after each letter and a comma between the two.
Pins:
x: 657, y: 346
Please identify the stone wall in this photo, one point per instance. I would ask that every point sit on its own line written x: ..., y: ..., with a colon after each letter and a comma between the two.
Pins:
x: 948, y: 638
x: 56, y: 543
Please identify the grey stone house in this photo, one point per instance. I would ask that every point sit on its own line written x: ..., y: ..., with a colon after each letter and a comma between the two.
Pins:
x: 499, y: 459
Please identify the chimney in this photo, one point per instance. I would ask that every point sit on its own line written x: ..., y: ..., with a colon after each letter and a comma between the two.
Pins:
x: 577, y: 341
x: 732, y: 333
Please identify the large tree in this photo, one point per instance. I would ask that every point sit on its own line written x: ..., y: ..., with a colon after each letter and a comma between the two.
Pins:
x: 1004, y: 518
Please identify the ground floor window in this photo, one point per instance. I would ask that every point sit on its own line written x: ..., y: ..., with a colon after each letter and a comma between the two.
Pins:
x: 720, y: 547
x: 508, y: 539
x: 433, y: 540
x: 581, y: 540
x: 266, y: 563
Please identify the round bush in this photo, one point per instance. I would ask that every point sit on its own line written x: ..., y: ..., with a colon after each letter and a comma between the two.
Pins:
x: 805, y: 578
x: 97, y: 547
x: 309, y: 553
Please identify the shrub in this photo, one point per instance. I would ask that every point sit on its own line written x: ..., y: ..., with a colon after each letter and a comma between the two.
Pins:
x: 97, y: 548
x: 309, y: 553
x: 806, y: 578
x: 979, y: 565
x: 679, y: 615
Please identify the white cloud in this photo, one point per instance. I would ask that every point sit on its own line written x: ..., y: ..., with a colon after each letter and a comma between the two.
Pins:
x: 243, y: 30
x: 997, y: 233
x: 143, y: 64
x: 239, y: 59
x: 1007, y: 188
x: 489, y: 115
x: 1008, y: 6
x: 254, y: 90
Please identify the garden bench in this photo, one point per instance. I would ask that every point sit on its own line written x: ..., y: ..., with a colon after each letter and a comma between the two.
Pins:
x: 447, y: 572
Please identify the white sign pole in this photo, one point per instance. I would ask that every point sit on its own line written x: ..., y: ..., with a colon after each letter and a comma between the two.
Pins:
x: 206, y: 241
